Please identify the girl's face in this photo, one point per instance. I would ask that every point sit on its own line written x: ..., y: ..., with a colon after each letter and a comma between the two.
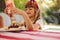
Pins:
x: 30, y: 11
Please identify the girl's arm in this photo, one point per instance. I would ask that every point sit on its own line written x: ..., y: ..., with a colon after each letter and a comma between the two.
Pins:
x: 1, y: 22
x: 28, y: 22
x: 9, y: 2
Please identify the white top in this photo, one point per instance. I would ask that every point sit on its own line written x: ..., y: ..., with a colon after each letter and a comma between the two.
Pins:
x: 7, y: 21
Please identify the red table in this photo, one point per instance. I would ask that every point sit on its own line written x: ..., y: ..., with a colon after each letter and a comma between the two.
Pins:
x: 30, y: 35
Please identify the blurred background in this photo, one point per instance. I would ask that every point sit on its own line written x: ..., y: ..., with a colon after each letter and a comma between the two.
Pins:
x: 50, y: 9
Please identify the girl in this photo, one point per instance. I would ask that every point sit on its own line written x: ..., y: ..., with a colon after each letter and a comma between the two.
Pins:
x: 31, y: 16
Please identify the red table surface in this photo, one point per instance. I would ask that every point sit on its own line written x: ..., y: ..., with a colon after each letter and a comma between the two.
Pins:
x: 30, y: 35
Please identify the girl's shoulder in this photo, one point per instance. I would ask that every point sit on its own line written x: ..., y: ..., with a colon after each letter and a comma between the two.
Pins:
x: 40, y: 22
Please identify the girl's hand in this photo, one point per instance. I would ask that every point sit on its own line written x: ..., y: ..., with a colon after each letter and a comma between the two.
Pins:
x: 18, y: 11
